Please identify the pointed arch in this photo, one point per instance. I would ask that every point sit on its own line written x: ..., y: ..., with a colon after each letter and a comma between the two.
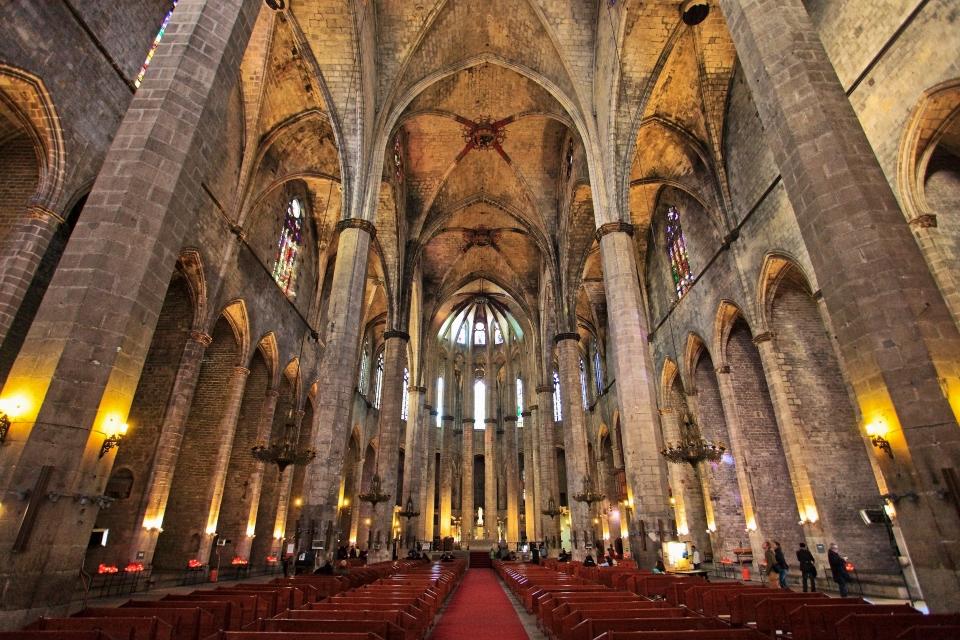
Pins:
x: 235, y: 314
x: 190, y: 265
x: 271, y: 355
x: 776, y: 266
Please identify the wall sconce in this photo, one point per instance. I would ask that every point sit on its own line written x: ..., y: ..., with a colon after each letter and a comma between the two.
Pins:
x: 877, y: 430
x: 115, y: 434
x: 9, y: 408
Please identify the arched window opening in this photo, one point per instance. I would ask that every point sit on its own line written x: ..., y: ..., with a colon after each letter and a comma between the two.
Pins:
x: 462, y: 334
x: 497, y: 335
x: 557, y: 413
x: 479, y: 404
x: 120, y: 484
x: 677, y: 251
x: 583, y: 384
x: 405, y: 403
x: 364, y: 377
x: 597, y: 367
x: 519, y: 403
x: 479, y: 333
x: 153, y: 47
x: 439, y: 401
x: 288, y: 248
x: 378, y: 381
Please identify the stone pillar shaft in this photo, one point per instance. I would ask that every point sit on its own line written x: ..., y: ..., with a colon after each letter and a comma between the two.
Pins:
x: 264, y: 425
x: 332, y: 410
x: 530, y: 474
x: 900, y: 346
x: 491, y: 455
x: 646, y: 475
x: 549, y: 478
x: 574, y: 442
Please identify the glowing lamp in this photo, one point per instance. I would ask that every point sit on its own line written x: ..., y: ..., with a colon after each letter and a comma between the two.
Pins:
x: 877, y: 430
x: 298, y: 502
x: 10, y: 408
x: 115, y: 431
x: 751, y: 524
x: 107, y: 569
x: 683, y: 530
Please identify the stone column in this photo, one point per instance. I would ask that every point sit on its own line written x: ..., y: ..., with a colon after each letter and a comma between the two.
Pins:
x: 645, y: 471
x: 227, y: 428
x: 332, y: 412
x: 549, y: 479
x: 82, y: 359
x: 467, y: 512
x: 447, y: 455
x: 574, y: 440
x: 530, y: 473
x: 512, y: 466
x: 388, y: 452
x: 285, y: 482
x: 899, y: 343
x: 21, y: 253
x: 491, y: 509
x: 168, y: 448
x: 429, y: 487
x: 252, y: 499
x: 355, y: 503
x: 414, y: 460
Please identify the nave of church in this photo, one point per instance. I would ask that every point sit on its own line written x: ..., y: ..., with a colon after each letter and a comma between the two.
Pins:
x: 287, y: 284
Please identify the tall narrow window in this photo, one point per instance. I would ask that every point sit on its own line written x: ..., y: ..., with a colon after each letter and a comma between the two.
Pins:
x: 497, y: 335
x: 364, y: 368
x: 597, y: 367
x: 405, y: 404
x: 288, y: 248
x: 153, y: 47
x: 479, y: 404
x: 479, y: 333
x: 378, y: 381
x: 439, y: 401
x: 519, y: 403
x: 583, y: 384
x: 677, y: 251
x: 462, y: 334
x: 557, y: 412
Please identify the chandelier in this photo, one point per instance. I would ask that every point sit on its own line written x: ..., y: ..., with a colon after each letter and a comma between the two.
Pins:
x: 283, y: 454
x: 408, y: 511
x: 692, y: 449
x: 551, y: 509
x: 375, y: 495
x: 588, y: 495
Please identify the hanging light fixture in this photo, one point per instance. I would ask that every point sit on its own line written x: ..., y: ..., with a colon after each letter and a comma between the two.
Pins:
x: 408, y: 511
x: 588, y: 494
x: 692, y: 448
x: 287, y: 452
x: 551, y: 509
x: 375, y: 495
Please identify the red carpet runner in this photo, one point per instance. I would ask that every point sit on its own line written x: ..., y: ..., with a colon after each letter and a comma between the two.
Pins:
x: 479, y: 610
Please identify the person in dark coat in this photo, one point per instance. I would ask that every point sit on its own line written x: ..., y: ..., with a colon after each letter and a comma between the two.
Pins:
x: 782, y: 565
x: 808, y: 567
x: 838, y: 567
x: 589, y: 561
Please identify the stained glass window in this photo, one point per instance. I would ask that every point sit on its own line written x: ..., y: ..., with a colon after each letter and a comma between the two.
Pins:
x: 153, y: 47
x: 677, y: 251
x: 479, y: 404
x: 597, y: 367
x: 583, y: 384
x: 497, y: 335
x: 364, y: 368
x: 439, y: 401
x: 378, y: 382
x: 479, y: 333
x: 405, y: 403
x: 288, y: 248
x: 462, y: 334
x: 557, y: 412
x: 398, y: 159
x: 519, y: 403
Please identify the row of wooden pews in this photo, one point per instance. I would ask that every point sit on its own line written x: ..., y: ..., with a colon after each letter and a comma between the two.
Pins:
x: 385, y: 601
x: 629, y: 604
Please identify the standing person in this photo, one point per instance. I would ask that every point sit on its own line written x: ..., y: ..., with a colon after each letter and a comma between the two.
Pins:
x: 838, y: 567
x: 770, y: 558
x: 808, y: 567
x: 695, y: 557
x: 782, y: 565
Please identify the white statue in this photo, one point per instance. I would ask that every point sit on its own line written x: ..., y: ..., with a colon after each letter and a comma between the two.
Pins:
x: 480, y: 516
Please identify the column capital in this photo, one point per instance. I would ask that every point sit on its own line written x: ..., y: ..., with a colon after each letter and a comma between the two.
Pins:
x: 357, y: 223
x: 724, y: 368
x: 241, y: 372
x: 45, y: 214
x: 613, y: 227
x: 395, y: 333
x: 434, y: 413
x: 544, y: 388
x: 447, y: 418
x: 466, y: 420
x: 531, y: 408
x: 416, y: 389
x: 568, y: 335
x: 201, y: 338
x: 510, y: 418
x: 489, y: 420
x: 527, y: 414
x: 766, y: 336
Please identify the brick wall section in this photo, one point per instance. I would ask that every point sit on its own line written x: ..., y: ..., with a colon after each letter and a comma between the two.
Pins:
x: 146, y: 419
x: 767, y: 468
x: 185, y: 519
x: 238, y: 486
x: 272, y: 481
x: 18, y: 165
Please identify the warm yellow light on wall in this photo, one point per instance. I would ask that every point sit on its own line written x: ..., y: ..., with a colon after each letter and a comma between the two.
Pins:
x: 278, y: 533
x: 367, y: 522
x: 211, y: 529
x: 251, y: 529
x: 298, y: 502
x: 751, y: 524
x: 877, y: 429
x: 890, y: 510
x: 14, y: 405
x: 153, y: 523
x: 683, y: 530
x: 811, y: 513
x: 346, y: 502
x: 115, y: 429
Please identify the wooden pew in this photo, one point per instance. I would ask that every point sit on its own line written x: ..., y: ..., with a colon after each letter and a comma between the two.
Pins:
x: 55, y: 635
x: 743, y: 609
x: 221, y: 611
x: 819, y: 621
x: 243, y: 607
x: 115, y: 628
x: 281, y: 635
x: 869, y: 626
x: 948, y: 632
x: 591, y: 628
x: 773, y: 614
x: 384, y: 629
x: 703, y: 634
x: 187, y: 623
x: 392, y: 617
